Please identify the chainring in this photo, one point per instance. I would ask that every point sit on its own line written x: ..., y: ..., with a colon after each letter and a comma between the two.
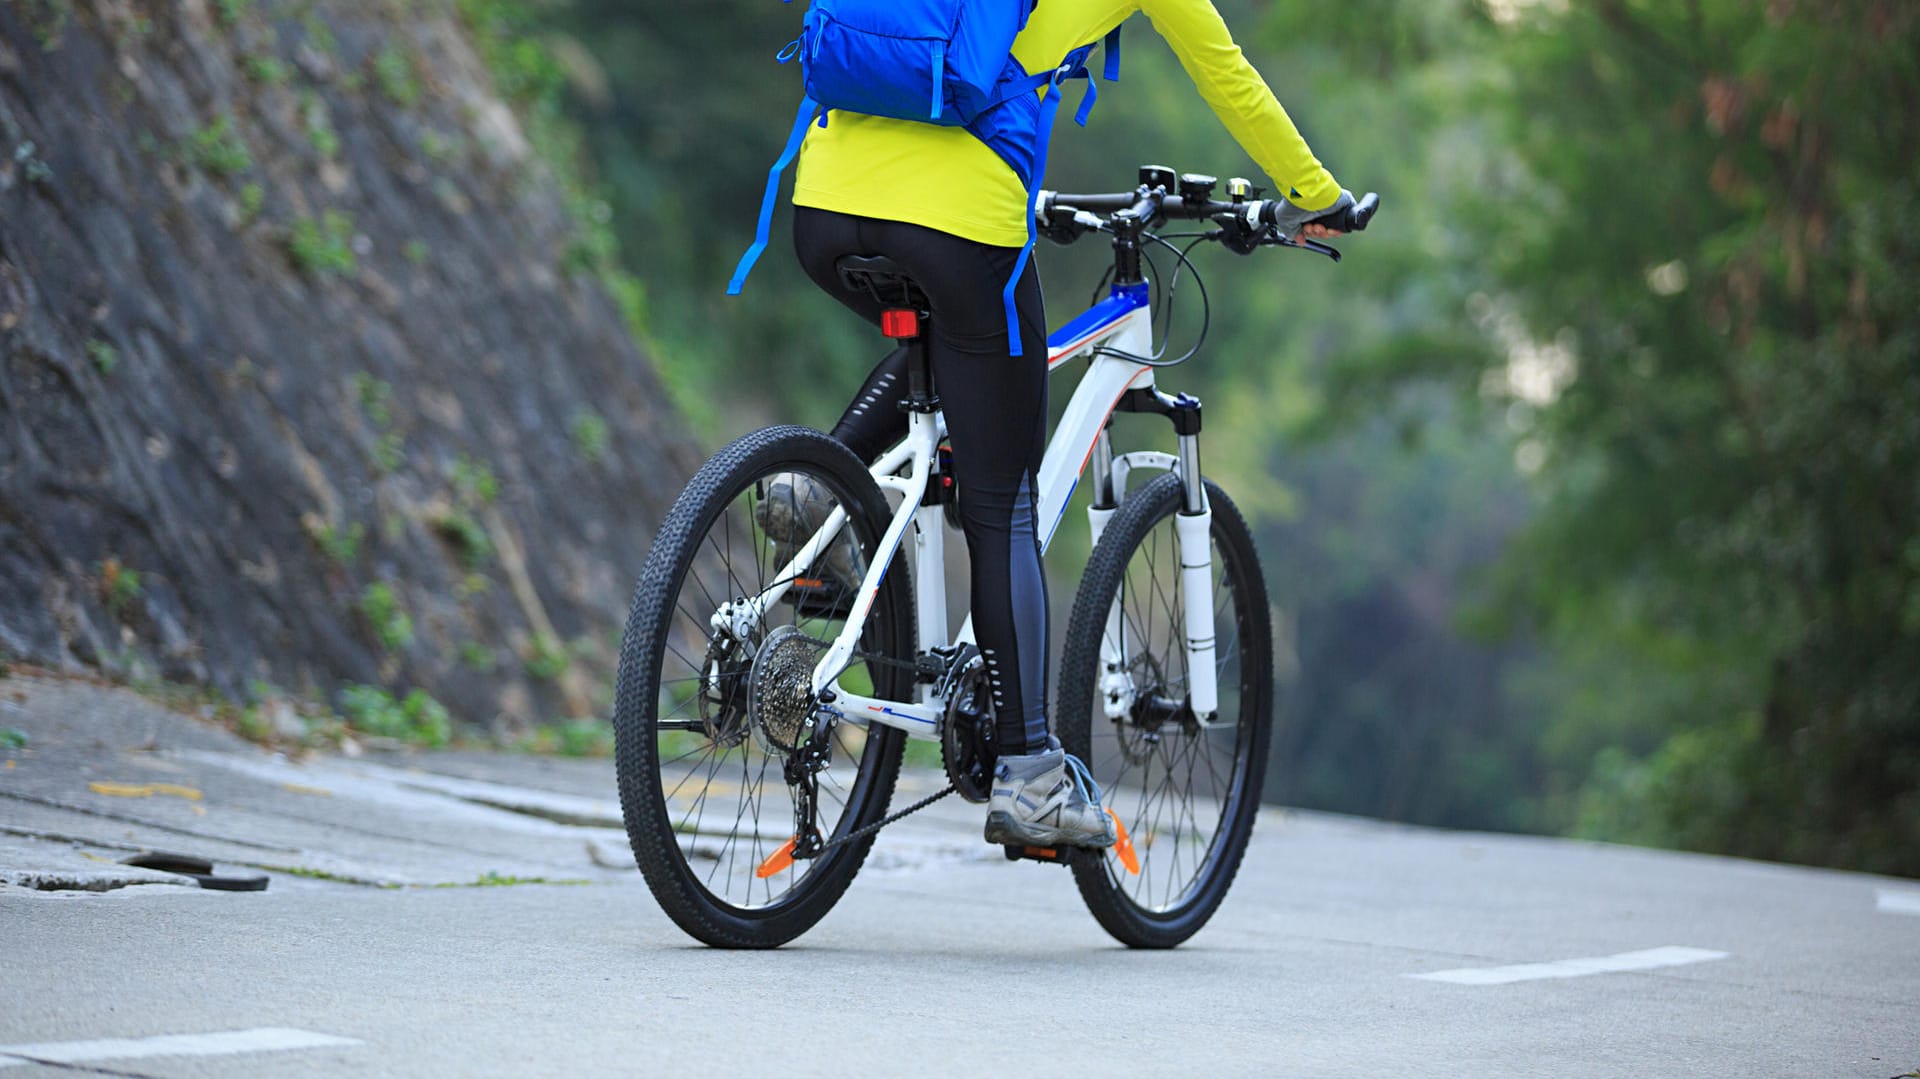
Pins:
x: 966, y: 737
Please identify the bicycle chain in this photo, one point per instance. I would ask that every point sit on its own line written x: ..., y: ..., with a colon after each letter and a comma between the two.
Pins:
x: 861, y: 833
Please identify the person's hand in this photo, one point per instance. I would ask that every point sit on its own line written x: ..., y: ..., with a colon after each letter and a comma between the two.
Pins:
x: 1293, y: 222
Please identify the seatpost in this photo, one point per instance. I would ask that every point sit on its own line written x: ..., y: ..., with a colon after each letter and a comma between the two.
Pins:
x: 908, y: 325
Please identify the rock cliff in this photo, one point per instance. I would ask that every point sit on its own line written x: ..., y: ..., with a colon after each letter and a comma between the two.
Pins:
x: 308, y: 374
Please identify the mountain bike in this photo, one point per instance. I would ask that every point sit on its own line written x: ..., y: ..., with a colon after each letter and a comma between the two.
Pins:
x: 786, y: 641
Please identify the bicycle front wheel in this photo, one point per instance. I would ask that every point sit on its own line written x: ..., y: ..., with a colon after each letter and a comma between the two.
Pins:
x: 1186, y: 790
x: 703, y: 735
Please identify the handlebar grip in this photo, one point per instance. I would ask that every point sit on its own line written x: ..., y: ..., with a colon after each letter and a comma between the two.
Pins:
x: 1357, y: 215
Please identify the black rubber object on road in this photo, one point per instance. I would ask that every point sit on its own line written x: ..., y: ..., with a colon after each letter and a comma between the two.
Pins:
x: 200, y: 869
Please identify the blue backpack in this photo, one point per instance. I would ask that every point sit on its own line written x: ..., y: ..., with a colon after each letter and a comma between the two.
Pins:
x: 947, y: 62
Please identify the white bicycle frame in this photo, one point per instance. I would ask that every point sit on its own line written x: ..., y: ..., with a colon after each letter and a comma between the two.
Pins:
x: 1122, y: 322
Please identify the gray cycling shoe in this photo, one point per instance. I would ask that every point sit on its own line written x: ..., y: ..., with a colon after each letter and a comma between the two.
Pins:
x: 795, y: 507
x: 1046, y: 800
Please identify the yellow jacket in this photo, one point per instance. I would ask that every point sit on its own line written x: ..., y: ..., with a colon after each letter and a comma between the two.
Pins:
x: 946, y: 179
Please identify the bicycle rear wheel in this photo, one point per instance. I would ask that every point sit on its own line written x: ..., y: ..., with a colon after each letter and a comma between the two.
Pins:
x: 701, y: 755
x: 1187, y: 793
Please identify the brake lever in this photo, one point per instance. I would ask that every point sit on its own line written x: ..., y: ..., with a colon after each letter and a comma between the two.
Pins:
x: 1314, y: 246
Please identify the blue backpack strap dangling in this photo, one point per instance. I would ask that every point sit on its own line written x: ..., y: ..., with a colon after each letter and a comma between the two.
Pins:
x: 1073, y: 67
x: 808, y: 110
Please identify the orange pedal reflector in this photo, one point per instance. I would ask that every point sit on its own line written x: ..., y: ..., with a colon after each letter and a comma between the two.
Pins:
x: 1123, y: 846
x: 779, y: 860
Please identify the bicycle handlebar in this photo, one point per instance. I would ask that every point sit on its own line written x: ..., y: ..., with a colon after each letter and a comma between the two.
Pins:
x: 1245, y: 223
x: 1261, y: 211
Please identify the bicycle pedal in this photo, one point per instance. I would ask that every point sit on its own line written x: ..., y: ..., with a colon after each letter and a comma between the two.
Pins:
x: 1056, y: 855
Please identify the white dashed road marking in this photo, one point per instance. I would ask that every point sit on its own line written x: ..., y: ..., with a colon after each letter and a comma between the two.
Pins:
x: 1671, y: 956
x: 216, y: 1044
x: 1897, y: 901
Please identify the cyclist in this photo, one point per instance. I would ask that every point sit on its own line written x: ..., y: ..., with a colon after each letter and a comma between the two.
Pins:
x: 947, y: 209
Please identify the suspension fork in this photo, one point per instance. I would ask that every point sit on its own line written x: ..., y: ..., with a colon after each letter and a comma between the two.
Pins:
x: 1193, y: 528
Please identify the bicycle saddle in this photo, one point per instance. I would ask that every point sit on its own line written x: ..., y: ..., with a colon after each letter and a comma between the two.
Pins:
x: 882, y: 278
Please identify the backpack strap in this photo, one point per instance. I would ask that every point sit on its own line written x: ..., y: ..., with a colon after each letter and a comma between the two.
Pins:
x: 1073, y: 67
x: 808, y: 110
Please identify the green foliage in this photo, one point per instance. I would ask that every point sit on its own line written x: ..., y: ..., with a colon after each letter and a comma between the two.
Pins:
x: 417, y: 252
x: 106, y: 358
x: 571, y: 738
x: 232, y: 11
x: 120, y: 585
x: 376, y: 398
x: 416, y: 719
x: 1720, y: 405
x: 391, y: 624
x: 219, y: 149
x: 477, y: 657
x: 324, y: 245
x: 13, y: 738
x: 48, y: 20
x: 466, y: 535
x: 589, y: 431
x: 507, y: 33
x: 319, y: 125
x: 340, y: 545
x: 252, y: 198
x: 269, y: 70
x: 474, y: 482
x: 546, y: 658
x: 389, y: 452
x: 319, y: 34
x: 393, y: 73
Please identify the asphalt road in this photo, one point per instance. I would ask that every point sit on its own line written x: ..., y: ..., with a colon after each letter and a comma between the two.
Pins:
x: 1347, y: 948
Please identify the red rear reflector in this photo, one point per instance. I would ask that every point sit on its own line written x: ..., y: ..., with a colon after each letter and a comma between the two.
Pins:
x: 900, y: 322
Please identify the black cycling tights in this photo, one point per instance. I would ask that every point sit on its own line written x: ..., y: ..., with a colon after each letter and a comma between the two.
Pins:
x: 996, y: 408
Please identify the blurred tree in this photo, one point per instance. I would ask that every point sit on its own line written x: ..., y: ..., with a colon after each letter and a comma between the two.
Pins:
x: 1698, y: 242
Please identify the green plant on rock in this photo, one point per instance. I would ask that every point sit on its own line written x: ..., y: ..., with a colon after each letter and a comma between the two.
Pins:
x: 324, y: 245
x: 585, y: 737
x: 319, y: 34
x: 477, y: 657
x: 219, y: 149
x: 119, y: 585
x: 270, y: 70
x: 546, y: 657
x: 389, y: 453
x: 466, y: 535
x: 320, y: 133
x: 232, y: 11
x: 417, y: 718
x: 393, y: 73
x: 376, y: 399
x: 589, y: 431
x: 392, y: 626
x: 252, y: 198
x: 474, y: 482
x: 104, y: 356
x: 340, y: 545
